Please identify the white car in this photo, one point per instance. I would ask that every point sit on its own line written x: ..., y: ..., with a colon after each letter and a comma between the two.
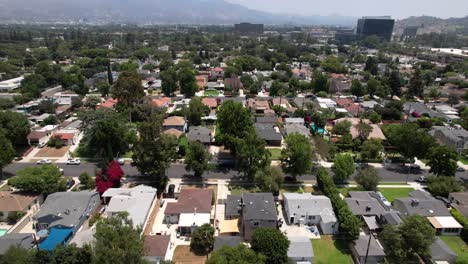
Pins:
x: 41, y: 145
x: 121, y: 161
x: 44, y: 161
x: 74, y: 161
x: 61, y: 170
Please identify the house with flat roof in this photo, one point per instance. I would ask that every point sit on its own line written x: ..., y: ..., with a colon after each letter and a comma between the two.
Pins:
x: 259, y: 106
x: 230, y: 241
x: 11, y: 84
x: 136, y: 201
x: 300, y: 250
x: 296, y: 128
x: 62, y: 214
x: 308, y: 209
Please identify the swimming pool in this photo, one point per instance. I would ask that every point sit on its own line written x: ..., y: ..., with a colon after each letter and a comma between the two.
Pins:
x: 3, y: 231
x: 320, y: 130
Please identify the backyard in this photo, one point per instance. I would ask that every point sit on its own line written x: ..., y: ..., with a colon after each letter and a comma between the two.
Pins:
x: 457, y: 244
x: 211, y: 93
x: 327, y: 250
x: 183, y: 254
x: 393, y: 193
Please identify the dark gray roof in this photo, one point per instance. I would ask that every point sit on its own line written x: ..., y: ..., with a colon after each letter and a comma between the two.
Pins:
x: 267, y: 132
x: 230, y: 241
x: 360, y: 246
x: 15, y: 240
x: 296, y: 128
x: 259, y: 206
x: 441, y: 252
x: 199, y: 133
x: 65, y: 208
x: 455, y: 135
x: 300, y: 247
x: 301, y: 101
x: 366, y: 203
x: 421, y: 108
x: 392, y: 218
x: 420, y: 203
x: 266, y: 120
x: 233, y: 206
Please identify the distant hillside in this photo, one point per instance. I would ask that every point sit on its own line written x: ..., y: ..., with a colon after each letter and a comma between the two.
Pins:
x: 149, y: 11
x: 430, y: 24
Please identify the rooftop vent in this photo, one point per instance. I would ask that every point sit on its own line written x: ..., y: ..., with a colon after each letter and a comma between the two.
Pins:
x: 414, y: 202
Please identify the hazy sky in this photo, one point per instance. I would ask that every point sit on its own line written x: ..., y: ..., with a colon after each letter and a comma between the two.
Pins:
x: 395, y: 8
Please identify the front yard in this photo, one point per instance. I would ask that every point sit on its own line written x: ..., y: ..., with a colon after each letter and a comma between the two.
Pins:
x: 327, y: 250
x: 52, y: 152
x: 210, y: 93
x: 275, y: 153
x: 464, y: 160
x: 393, y: 193
x: 458, y: 246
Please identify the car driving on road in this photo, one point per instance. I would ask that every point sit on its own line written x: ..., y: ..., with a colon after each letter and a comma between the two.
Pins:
x: 44, y: 161
x: 74, y: 161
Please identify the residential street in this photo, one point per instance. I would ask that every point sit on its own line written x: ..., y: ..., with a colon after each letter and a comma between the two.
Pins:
x: 390, y: 173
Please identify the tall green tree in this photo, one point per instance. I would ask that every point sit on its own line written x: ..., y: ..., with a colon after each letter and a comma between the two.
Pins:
x: 15, y: 127
x: 234, y: 122
x: 202, y: 241
x: 409, y: 139
x: 197, y: 158
x: 368, y: 179
x: 118, y: 241
x: 187, y: 82
x: 271, y: 243
x: 371, y: 66
x: 45, y: 179
x: 357, y: 89
x: 128, y: 89
x: 196, y: 111
x: 320, y: 82
x: 394, y: 81
x: 296, y: 158
x: 373, y: 86
x: 235, y: 255
x: 343, y: 167
x: 251, y: 155
x: 371, y: 149
x: 169, y: 81
x: 269, y: 179
x: 7, y: 153
x: 416, y: 85
x: 418, y: 235
x: 364, y: 130
x: 442, y: 160
x: 443, y: 185
x: 153, y: 151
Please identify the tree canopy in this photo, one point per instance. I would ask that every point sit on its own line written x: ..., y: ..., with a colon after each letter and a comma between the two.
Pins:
x: 296, y: 158
x: 202, y: 239
x: 235, y: 255
x: 45, y: 179
x: 271, y: 243
x: 197, y: 158
x: 343, y: 167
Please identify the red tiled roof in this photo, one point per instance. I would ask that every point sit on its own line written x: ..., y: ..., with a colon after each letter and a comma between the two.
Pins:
x: 15, y: 201
x: 161, y: 102
x: 217, y: 69
x: 109, y: 103
x: 37, y: 135
x: 174, y: 121
x: 191, y: 200
x: 344, y: 102
x: 64, y: 136
x: 156, y: 246
x: 210, y: 102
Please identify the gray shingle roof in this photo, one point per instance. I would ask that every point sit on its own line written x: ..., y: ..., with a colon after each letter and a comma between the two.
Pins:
x: 420, y: 203
x: 441, y: 252
x: 366, y: 203
x: 300, y: 247
x: 308, y: 204
x: 230, y: 241
x: 259, y: 206
x: 360, y: 245
x: 15, y: 240
x: 199, y: 133
x: 295, y: 128
x: 233, y: 206
x: 66, y: 208
x: 267, y: 132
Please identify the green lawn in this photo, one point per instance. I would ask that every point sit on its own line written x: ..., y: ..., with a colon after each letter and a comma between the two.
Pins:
x: 457, y: 244
x: 344, y: 190
x: 275, y: 153
x: 211, y: 93
x: 5, y: 187
x: 128, y: 155
x: 464, y: 160
x: 327, y: 250
x: 392, y: 193
x: 393, y: 183
x: 238, y: 190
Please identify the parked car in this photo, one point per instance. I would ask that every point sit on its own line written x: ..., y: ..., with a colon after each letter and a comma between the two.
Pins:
x: 422, y: 179
x: 460, y: 169
x: 74, y: 161
x: 70, y: 183
x: 445, y: 200
x: 44, y: 161
x: 41, y: 145
x: 415, y: 166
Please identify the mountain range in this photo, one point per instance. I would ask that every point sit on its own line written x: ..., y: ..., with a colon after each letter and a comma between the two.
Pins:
x: 151, y: 11
x: 428, y: 24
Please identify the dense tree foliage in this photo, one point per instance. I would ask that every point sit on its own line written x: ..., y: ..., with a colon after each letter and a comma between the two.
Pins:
x: 235, y: 255
x: 271, y: 243
x: 197, y: 158
x: 45, y: 179
x: 202, y: 239
x: 296, y: 158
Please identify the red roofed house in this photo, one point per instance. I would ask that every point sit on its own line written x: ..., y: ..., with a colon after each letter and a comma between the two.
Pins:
x: 67, y: 138
x: 193, y: 205
x: 202, y: 80
x: 216, y: 73
x: 109, y: 103
x: 161, y: 102
x: 212, y: 103
x: 348, y: 104
x: 15, y: 202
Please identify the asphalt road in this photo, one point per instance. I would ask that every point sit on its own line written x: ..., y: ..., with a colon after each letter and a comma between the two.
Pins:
x: 391, y: 173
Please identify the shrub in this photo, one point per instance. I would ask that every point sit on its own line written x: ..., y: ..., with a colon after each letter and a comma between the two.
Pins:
x: 13, y: 217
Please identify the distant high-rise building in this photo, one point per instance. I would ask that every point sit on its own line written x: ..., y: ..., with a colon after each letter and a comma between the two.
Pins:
x: 248, y: 28
x: 381, y: 27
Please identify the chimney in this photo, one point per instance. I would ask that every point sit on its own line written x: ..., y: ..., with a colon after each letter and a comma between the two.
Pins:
x: 368, y: 208
x: 414, y: 202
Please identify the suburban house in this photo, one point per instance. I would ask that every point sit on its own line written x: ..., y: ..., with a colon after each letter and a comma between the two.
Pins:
x: 271, y: 134
x: 62, y: 214
x: 415, y: 110
x: 272, y: 120
x: 38, y: 137
x: 294, y: 121
x: 109, y: 103
x: 192, y: 209
x: 283, y: 102
x: 300, y: 250
x: 258, y: 210
x: 16, y: 240
x: 422, y: 203
x: 233, y: 84
x: 376, y: 132
x: 259, y: 106
x: 233, y: 207
x: 325, y: 103
x: 18, y: 202
x: 296, y: 128
x: 216, y: 73
x: 65, y: 97
x: 363, y: 247
x: 67, y: 138
x: 136, y: 201
x: 174, y: 132
x: 459, y: 201
x: 201, y: 134
x: 456, y: 138
x: 155, y: 248
x: 161, y: 102
x: 308, y: 209
x: 212, y: 103
x: 11, y: 84
x: 175, y: 122
x: 201, y: 81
